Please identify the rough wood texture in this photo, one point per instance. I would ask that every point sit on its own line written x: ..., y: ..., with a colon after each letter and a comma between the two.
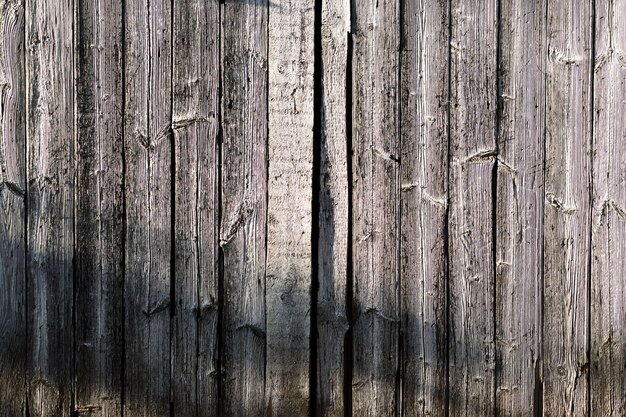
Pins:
x: 244, y: 205
x: 473, y: 152
x: 50, y: 176
x: 147, y: 141
x: 12, y: 209
x: 424, y: 199
x: 567, y: 208
x: 376, y: 208
x: 289, y: 218
x: 99, y: 209
x: 195, y: 125
x: 333, y: 220
x: 519, y: 207
x: 608, y: 256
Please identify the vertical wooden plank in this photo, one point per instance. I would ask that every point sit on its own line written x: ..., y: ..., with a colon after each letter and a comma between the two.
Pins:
x: 567, y: 207
x: 289, y: 218
x: 376, y: 208
x: 12, y: 209
x: 519, y: 209
x: 195, y: 124
x: 50, y: 176
x: 99, y: 208
x: 333, y: 219
x: 147, y: 137
x: 244, y: 205
x: 473, y: 151
x: 424, y: 199
x: 608, y: 259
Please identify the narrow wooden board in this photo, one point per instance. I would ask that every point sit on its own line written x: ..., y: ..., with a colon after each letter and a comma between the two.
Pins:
x: 376, y: 207
x: 473, y: 150
x: 519, y: 207
x: 147, y: 141
x: 289, y: 215
x: 12, y: 209
x: 50, y: 179
x: 195, y: 123
x: 333, y: 218
x: 424, y: 199
x: 244, y: 205
x: 99, y: 209
x: 608, y: 256
x: 567, y: 207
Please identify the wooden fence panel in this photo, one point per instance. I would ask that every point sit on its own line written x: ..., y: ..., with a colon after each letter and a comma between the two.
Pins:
x: 608, y: 251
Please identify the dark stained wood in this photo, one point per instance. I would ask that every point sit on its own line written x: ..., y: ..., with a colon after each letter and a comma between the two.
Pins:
x: 473, y: 151
x: 567, y: 207
x: 608, y: 251
x: 12, y: 209
x: 148, y: 181
x: 196, y: 125
x: 50, y: 179
x: 334, y: 217
x: 99, y: 209
x: 289, y: 215
x: 376, y: 207
x: 519, y: 209
x: 424, y: 202
x: 244, y: 205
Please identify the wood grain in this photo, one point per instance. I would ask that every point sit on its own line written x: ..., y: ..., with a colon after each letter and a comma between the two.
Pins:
x: 519, y: 208
x: 473, y: 152
x: 12, y: 209
x: 289, y: 216
x: 424, y: 202
x: 148, y: 181
x: 50, y: 176
x: 567, y: 208
x: 376, y: 207
x: 99, y: 209
x: 244, y: 205
x: 333, y: 219
x: 195, y: 124
x: 608, y: 251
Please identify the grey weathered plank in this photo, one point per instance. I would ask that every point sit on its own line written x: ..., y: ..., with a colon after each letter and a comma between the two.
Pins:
x: 567, y: 207
x: 424, y: 201
x: 244, y: 205
x: 289, y: 215
x: 333, y: 219
x: 519, y: 209
x: 147, y: 141
x: 608, y: 257
x: 99, y: 209
x: 50, y: 176
x: 473, y: 149
x: 12, y: 209
x: 376, y: 207
x: 195, y: 123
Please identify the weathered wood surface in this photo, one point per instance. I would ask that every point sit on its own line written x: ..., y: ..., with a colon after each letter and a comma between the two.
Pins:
x: 473, y: 152
x: 519, y: 208
x: 148, y: 195
x: 608, y: 251
x: 375, y: 208
x: 424, y: 204
x: 99, y: 209
x: 12, y: 209
x: 244, y: 206
x: 195, y: 125
x: 333, y: 217
x: 289, y: 214
x: 50, y: 217
x: 567, y: 208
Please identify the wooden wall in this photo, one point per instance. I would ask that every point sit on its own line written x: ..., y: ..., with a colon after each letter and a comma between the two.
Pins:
x: 328, y: 207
